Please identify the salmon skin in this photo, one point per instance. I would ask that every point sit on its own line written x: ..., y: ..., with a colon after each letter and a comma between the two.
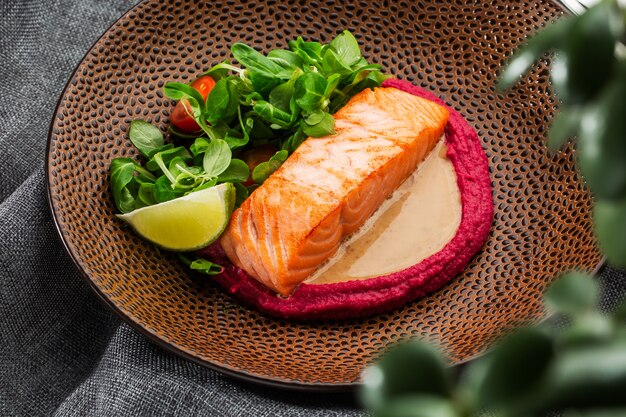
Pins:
x: 331, y: 185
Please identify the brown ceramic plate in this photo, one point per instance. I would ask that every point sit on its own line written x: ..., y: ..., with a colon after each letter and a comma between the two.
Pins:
x: 542, y: 224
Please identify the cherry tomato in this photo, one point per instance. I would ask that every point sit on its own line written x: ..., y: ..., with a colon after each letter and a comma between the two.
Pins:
x: 181, y: 116
x: 204, y: 85
x: 255, y: 156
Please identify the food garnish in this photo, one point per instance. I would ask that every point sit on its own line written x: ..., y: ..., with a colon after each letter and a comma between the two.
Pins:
x: 187, y: 223
x: 182, y: 115
x: 229, y: 113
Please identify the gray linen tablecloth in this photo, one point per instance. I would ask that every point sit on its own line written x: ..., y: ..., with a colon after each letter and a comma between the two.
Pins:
x: 62, y: 352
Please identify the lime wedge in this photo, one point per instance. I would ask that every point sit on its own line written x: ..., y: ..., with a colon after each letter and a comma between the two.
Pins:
x: 185, y: 223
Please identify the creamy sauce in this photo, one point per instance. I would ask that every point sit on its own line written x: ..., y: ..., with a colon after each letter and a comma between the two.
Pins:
x: 416, y: 221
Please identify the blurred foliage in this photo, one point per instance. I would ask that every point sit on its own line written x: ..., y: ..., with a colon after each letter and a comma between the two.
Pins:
x: 589, y: 76
x: 577, y: 369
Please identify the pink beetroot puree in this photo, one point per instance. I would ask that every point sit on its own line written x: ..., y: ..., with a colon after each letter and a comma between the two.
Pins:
x: 375, y: 295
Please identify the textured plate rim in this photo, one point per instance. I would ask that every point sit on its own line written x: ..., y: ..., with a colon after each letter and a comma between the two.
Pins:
x: 168, y: 346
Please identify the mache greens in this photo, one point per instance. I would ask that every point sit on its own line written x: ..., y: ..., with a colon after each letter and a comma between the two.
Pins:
x: 278, y: 99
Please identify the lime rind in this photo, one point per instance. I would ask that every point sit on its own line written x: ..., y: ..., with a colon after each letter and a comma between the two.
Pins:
x: 186, y: 223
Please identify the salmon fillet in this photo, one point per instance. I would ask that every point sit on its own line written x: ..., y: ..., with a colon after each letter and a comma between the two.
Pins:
x: 331, y: 185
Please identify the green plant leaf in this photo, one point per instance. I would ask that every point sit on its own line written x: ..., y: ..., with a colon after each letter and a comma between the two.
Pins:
x: 264, y: 73
x: 362, y: 75
x: 516, y: 370
x: 286, y: 59
x: 309, y: 91
x: 565, y: 125
x: 146, y: 193
x: 256, y: 61
x: 469, y: 383
x: 223, y: 102
x: 309, y: 52
x: 293, y: 141
x: 206, y: 267
x: 217, y: 158
x: 610, y: 225
x: 591, y: 39
x: 593, y: 376
x: 591, y: 328
x: 143, y: 176
x: 161, y: 159
x: 236, y: 139
x: 259, y: 130
x: 271, y: 114
x: 599, y: 412
x: 262, y: 171
x: 199, y: 146
x: 179, y: 91
x: 203, y: 186
x: 573, y: 293
x: 163, y: 190
x: 263, y: 82
x: 174, y: 132
x: 347, y: 48
x: 315, y: 117
x: 282, y: 95
x: 237, y: 171
x: 601, y: 145
x: 251, y: 99
x: 331, y: 84
x: 239, y: 136
x: 176, y: 163
x: 222, y: 70
x: 322, y: 126
x: 546, y: 39
x: 122, y: 172
x: 409, y: 369
x: 201, y: 265
x: 418, y: 406
x: 145, y: 137
x: 332, y: 63
x: 163, y: 148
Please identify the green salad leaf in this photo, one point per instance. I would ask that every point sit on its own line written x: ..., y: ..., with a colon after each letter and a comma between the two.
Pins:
x: 236, y: 172
x: 346, y: 48
x: 269, y: 96
x: 160, y: 161
x: 126, y: 179
x: 318, y: 124
x: 223, y: 102
x: 263, y: 104
x: 163, y: 190
x: 217, y: 157
x: 145, y: 137
x: 265, y: 169
x: 309, y: 91
x: 180, y: 91
x: 201, y: 265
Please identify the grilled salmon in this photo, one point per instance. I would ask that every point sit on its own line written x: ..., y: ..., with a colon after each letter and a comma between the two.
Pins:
x: 331, y: 185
